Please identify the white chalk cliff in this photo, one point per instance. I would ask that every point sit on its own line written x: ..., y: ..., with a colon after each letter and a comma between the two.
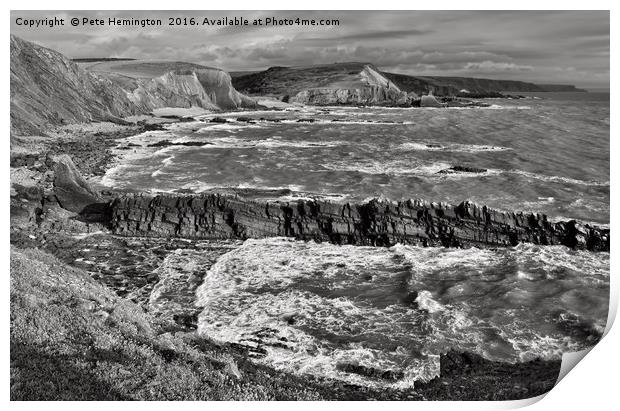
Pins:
x: 49, y: 89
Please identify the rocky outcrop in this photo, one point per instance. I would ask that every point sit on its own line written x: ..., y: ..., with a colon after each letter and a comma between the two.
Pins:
x: 370, y: 89
x: 430, y: 101
x: 358, y: 96
x: 462, y: 169
x: 71, y: 189
x: 377, y: 223
x: 218, y: 86
x: 330, y: 84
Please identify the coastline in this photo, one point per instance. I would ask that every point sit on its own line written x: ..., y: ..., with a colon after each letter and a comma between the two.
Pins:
x: 463, y: 376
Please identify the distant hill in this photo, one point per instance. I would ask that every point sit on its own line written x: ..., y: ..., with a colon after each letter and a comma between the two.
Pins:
x: 453, y: 85
x: 292, y: 80
x: 341, y: 83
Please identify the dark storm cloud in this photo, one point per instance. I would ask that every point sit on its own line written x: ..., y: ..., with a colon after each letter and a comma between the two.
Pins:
x: 540, y: 46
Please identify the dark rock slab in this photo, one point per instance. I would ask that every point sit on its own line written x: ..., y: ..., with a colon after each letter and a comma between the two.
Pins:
x: 470, y: 377
x: 376, y: 223
x: 218, y: 120
x: 389, y: 375
x: 462, y: 169
x: 167, y: 143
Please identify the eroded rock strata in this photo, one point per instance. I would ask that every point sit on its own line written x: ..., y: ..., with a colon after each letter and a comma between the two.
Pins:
x: 377, y: 223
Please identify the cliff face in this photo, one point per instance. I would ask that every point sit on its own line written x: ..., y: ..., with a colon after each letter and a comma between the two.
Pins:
x: 218, y: 86
x: 368, y: 96
x: 49, y: 89
x: 343, y: 83
x: 206, y: 88
x: 378, y: 223
x: 169, y: 90
x: 323, y: 84
x: 372, y: 89
x: 449, y: 86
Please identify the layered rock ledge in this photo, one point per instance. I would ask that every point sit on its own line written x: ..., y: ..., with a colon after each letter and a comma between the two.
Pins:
x: 376, y: 223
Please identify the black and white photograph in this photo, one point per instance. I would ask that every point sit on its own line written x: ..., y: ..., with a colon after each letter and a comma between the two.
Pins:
x: 306, y: 205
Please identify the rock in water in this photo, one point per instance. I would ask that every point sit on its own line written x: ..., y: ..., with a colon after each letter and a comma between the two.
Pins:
x: 72, y: 190
x: 374, y: 223
x: 429, y: 101
x: 462, y: 169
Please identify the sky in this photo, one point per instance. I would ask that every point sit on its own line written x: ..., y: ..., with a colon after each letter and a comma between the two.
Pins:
x: 564, y: 47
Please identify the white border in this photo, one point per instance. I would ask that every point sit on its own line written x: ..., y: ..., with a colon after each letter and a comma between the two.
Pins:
x: 591, y: 386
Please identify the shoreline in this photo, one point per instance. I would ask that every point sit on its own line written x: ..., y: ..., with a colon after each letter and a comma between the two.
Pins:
x: 463, y: 376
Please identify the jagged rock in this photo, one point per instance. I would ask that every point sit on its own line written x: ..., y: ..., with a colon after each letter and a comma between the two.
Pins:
x: 430, y: 101
x: 370, y: 89
x: 218, y: 120
x: 462, y: 169
x: 389, y: 375
x: 72, y: 190
x: 151, y: 126
x: 167, y: 143
x: 411, y: 299
x: 181, y: 119
x: 376, y: 223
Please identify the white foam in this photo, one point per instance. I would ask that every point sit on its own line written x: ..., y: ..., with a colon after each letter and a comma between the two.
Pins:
x: 404, y: 167
x: 230, y: 127
x: 426, y: 302
x: 558, y: 179
x: 255, y: 295
x: 452, y: 147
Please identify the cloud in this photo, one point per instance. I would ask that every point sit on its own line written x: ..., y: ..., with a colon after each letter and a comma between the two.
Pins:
x: 374, y: 35
x: 493, y: 66
x: 520, y: 45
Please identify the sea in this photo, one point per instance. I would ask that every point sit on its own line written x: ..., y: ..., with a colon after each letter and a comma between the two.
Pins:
x: 382, y: 316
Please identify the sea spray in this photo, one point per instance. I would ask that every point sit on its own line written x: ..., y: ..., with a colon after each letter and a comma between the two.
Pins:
x: 346, y: 312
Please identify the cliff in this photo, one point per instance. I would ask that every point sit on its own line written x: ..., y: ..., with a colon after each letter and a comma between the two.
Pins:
x: 48, y: 89
x: 370, y: 89
x: 341, y: 83
x: 177, y: 84
x: 447, y: 86
x: 378, y: 223
x: 332, y: 82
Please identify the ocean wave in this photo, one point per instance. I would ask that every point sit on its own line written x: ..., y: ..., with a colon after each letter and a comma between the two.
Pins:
x: 558, y: 179
x: 383, y: 167
x: 271, y: 142
x: 454, y: 147
x: 328, y: 310
x: 426, y: 302
x: 402, y: 167
x: 230, y: 127
x: 198, y: 186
